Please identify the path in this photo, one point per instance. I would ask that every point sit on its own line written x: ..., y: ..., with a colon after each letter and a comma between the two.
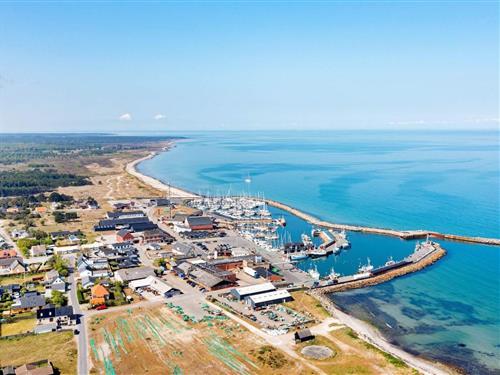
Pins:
x: 82, y: 341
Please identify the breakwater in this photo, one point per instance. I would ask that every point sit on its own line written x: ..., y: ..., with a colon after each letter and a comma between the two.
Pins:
x: 406, y: 235
x: 426, y: 261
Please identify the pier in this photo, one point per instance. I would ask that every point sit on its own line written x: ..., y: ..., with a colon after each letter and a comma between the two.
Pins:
x: 406, y: 235
x: 420, y: 259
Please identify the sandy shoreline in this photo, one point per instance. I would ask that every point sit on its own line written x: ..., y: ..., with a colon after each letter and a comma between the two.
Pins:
x: 363, y: 329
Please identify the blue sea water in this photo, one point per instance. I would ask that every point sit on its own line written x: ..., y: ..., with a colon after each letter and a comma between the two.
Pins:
x: 444, y: 181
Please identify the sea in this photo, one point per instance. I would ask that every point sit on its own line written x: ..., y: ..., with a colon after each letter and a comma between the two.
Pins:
x: 446, y: 181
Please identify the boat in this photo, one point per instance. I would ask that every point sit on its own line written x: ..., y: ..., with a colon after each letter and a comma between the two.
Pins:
x: 299, y: 256
x: 248, y: 180
x: 315, y: 232
x: 333, y: 275
x: 390, y: 262
x: 306, y: 240
x: 313, y: 272
x: 281, y: 221
x: 366, y: 268
x: 317, y: 253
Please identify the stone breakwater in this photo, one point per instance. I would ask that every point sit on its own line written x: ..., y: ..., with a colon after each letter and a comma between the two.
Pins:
x: 386, y: 276
x: 406, y: 235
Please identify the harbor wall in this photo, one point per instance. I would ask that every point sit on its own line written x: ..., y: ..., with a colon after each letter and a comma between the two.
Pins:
x: 406, y: 235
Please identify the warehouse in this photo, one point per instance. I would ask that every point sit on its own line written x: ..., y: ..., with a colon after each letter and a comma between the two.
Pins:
x: 247, y: 291
x: 270, y: 298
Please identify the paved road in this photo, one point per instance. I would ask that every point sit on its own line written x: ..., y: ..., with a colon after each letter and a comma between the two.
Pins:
x: 82, y: 341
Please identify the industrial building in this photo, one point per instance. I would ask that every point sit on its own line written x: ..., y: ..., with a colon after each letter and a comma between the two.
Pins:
x: 269, y: 298
x: 247, y: 291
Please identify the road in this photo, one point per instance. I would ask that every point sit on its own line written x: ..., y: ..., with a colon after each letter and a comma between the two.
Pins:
x: 82, y: 337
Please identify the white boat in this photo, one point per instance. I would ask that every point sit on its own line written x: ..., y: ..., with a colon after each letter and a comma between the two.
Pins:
x: 333, y: 275
x: 315, y: 232
x: 306, y: 240
x: 366, y: 268
x: 390, y: 262
x: 248, y: 180
x: 281, y: 221
x: 299, y: 256
x: 313, y: 272
x: 317, y: 253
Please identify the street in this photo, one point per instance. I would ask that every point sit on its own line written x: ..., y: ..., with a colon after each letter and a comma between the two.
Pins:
x: 82, y: 341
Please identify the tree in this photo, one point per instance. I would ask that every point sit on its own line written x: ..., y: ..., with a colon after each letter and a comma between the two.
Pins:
x: 60, y: 265
x: 58, y: 298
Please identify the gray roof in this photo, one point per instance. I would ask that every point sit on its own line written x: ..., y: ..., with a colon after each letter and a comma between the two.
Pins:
x: 118, y: 214
x: 8, y: 261
x: 205, y: 278
x: 185, y: 267
x: 29, y: 300
x: 134, y: 273
x: 199, y: 220
x: 123, y: 232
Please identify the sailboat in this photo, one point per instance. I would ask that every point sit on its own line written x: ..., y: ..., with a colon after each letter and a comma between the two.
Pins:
x: 366, y: 268
x: 248, y: 179
x: 313, y: 272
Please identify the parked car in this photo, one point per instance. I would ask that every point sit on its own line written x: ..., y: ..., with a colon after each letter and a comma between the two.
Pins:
x: 101, y: 307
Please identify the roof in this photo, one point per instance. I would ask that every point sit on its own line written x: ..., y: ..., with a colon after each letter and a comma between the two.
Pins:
x: 126, y: 221
x: 270, y: 296
x: 99, y: 291
x: 122, y: 232
x: 118, y: 214
x: 29, y: 300
x: 198, y: 220
x: 254, y: 289
x: 35, y: 369
x: 51, y: 311
x: 152, y: 282
x: 185, y: 267
x: 134, y: 273
x: 155, y: 232
x: 64, y: 233
x: 205, y: 278
x: 303, y: 334
x: 8, y: 261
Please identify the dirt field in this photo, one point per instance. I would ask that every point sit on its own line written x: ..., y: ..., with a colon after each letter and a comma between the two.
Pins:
x: 57, y: 347
x: 157, y: 340
x: 306, y: 304
x: 21, y: 323
x: 353, y: 356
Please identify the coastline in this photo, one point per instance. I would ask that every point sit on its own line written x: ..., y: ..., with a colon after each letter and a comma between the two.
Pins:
x: 365, y: 331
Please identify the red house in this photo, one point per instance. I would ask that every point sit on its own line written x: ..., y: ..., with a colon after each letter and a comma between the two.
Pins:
x: 199, y: 223
x: 124, y: 235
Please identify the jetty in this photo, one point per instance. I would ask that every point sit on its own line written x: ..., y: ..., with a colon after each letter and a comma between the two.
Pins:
x: 424, y: 256
x: 406, y: 235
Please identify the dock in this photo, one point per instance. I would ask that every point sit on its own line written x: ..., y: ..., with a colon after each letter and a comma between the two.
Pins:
x: 406, y: 235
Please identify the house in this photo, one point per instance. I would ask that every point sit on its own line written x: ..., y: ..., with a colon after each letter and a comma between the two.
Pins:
x: 156, y: 284
x: 113, y: 224
x: 153, y: 246
x: 131, y: 274
x: 19, y: 233
x: 160, y: 202
x: 13, y: 265
x: 38, y: 251
x: 199, y: 223
x: 124, y: 235
x: 35, y: 368
x: 303, y: 335
x: 87, y: 282
x: 63, y: 234
x: 157, y: 235
x: 122, y: 246
x: 12, y: 289
x: 183, y: 269
x: 41, y: 210
x: 98, y: 295
x: 10, y: 253
x: 28, y: 302
x: 63, y: 315
x: 54, y: 282
x: 251, y: 290
x: 61, y: 250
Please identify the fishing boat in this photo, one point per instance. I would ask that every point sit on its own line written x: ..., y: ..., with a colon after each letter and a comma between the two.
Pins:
x: 390, y: 262
x: 313, y: 272
x: 299, y: 256
x: 315, y: 232
x: 306, y: 240
x: 317, y: 252
x: 333, y: 275
x: 366, y: 268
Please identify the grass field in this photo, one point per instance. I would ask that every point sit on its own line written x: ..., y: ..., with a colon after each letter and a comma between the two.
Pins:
x: 304, y: 303
x: 157, y: 340
x: 22, y: 323
x: 57, y: 347
x: 19, y: 279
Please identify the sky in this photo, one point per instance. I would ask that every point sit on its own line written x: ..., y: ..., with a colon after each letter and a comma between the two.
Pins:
x: 141, y: 66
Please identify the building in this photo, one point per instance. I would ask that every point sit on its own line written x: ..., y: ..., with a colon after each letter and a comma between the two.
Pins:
x: 61, y: 250
x: 207, y: 280
x: 125, y: 214
x: 251, y: 290
x: 35, y: 368
x: 199, y: 223
x: 54, y: 282
x: 131, y: 274
x: 38, y: 251
x: 124, y: 235
x: 154, y: 283
x: 13, y: 265
x: 63, y: 234
x: 160, y: 202
x: 186, y: 249
x: 303, y: 335
x: 10, y: 253
x: 157, y: 235
x: 62, y: 316
x: 28, y: 302
x: 98, y: 295
x: 113, y: 224
x: 269, y: 298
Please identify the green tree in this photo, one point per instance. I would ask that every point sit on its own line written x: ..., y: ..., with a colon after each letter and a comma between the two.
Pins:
x: 58, y: 299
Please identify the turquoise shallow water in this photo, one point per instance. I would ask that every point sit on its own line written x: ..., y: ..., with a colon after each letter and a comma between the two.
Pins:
x: 444, y: 181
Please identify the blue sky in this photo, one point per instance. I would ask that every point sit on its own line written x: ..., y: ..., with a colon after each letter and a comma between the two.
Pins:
x: 248, y: 65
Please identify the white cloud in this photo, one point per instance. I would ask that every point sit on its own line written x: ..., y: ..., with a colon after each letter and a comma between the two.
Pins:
x: 125, y: 117
x: 159, y: 116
